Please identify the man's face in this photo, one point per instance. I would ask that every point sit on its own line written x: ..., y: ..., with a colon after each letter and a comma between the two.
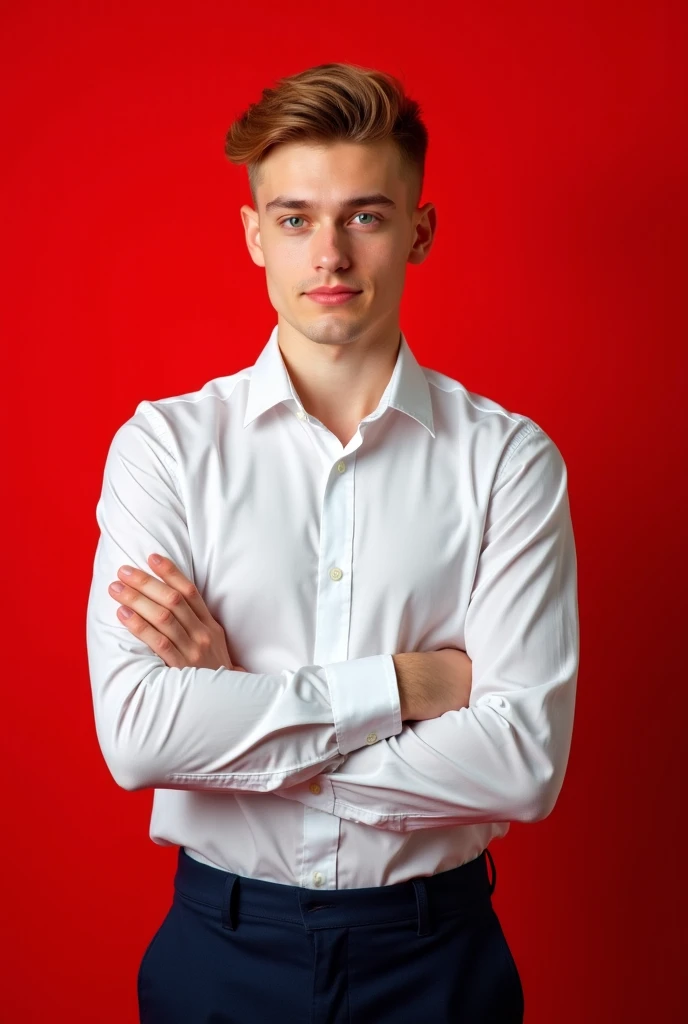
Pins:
x: 365, y: 245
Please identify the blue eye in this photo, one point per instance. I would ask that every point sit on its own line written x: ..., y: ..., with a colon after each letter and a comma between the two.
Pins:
x: 367, y: 224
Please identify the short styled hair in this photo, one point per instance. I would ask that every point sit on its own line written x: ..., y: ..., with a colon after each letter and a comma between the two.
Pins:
x: 331, y: 103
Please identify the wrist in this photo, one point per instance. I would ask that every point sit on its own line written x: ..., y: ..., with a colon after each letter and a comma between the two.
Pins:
x: 404, y: 685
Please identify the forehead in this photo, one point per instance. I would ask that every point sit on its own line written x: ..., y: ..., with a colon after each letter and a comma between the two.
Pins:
x: 331, y: 170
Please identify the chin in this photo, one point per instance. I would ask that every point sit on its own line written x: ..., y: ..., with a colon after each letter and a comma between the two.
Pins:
x: 334, y: 330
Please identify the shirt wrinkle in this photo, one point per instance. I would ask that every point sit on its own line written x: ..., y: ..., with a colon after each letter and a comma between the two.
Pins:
x: 444, y: 522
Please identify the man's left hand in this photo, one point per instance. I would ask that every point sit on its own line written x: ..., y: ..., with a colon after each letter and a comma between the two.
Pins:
x: 171, y: 617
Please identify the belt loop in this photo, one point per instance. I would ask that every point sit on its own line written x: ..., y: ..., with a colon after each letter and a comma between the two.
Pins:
x: 422, y: 904
x: 494, y: 870
x: 229, y: 896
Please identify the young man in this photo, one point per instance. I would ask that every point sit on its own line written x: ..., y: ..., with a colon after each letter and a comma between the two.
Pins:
x: 390, y: 560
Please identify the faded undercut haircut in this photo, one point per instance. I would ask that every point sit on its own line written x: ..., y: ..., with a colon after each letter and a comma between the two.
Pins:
x: 332, y: 103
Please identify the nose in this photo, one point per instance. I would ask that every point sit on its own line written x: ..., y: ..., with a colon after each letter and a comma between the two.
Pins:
x: 329, y: 252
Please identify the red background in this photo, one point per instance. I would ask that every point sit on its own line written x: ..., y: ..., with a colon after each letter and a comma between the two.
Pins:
x: 556, y: 286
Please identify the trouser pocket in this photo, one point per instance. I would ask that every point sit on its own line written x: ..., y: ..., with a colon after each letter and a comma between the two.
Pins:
x: 142, y: 976
x: 503, y: 950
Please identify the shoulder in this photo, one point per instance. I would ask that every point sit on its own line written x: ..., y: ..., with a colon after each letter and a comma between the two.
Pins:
x: 485, y: 427
x: 180, y: 421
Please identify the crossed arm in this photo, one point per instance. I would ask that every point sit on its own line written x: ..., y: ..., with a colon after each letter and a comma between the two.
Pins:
x: 196, y: 726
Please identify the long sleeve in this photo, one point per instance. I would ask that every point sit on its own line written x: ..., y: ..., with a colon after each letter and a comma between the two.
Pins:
x: 503, y: 757
x: 198, y: 728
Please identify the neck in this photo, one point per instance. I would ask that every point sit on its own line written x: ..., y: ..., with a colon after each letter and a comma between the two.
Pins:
x: 339, y: 380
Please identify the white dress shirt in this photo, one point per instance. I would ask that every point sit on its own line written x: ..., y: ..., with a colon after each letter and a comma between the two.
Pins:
x: 444, y: 522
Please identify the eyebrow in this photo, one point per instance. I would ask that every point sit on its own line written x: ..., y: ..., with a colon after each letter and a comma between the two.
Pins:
x: 374, y: 199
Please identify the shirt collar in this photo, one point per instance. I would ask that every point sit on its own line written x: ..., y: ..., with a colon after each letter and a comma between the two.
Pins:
x: 407, y: 389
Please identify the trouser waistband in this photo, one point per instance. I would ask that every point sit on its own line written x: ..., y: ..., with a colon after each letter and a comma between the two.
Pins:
x: 460, y: 890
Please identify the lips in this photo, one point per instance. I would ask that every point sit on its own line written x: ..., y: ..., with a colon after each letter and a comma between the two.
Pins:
x: 333, y: 291
x: 336, y: 297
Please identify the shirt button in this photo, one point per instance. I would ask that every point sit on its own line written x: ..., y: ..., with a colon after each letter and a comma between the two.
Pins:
x: 341, y: 466
x: 300, y: 413
x: 371, y: 737
x: 336, y: 574
x: 318, y: 878
x: 314, y: 787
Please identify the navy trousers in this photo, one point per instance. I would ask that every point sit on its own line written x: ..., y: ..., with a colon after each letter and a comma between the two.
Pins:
x: 236, y: 950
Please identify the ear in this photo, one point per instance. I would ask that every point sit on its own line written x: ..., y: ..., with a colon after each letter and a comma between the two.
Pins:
x: 249, y: 219
x: 424, y: 235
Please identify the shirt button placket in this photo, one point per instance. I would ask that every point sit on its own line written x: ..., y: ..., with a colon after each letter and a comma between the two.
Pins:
x: 321, y: 828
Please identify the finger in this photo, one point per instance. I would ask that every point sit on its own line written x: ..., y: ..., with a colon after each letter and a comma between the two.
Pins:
x: 166, y: 595
x: 175, y: 590
x: 175, y: 578
x: 158, y: 643
x: 162, y: 618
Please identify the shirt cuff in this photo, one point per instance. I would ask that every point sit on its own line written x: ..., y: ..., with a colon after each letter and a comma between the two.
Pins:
x: 365, y: 700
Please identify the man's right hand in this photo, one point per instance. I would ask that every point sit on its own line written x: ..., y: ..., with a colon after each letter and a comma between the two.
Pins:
x: 432, y: 682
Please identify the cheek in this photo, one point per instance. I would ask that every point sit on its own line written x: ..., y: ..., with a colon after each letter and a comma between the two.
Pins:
x: 389, y: 262
x: 388, y: 251
x: 286, y: 263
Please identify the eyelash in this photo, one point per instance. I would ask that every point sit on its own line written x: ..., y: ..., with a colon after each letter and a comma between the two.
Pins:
x: 295, y: 216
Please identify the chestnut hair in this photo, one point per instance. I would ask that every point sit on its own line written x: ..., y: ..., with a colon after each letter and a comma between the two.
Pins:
x: 330, y: 103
